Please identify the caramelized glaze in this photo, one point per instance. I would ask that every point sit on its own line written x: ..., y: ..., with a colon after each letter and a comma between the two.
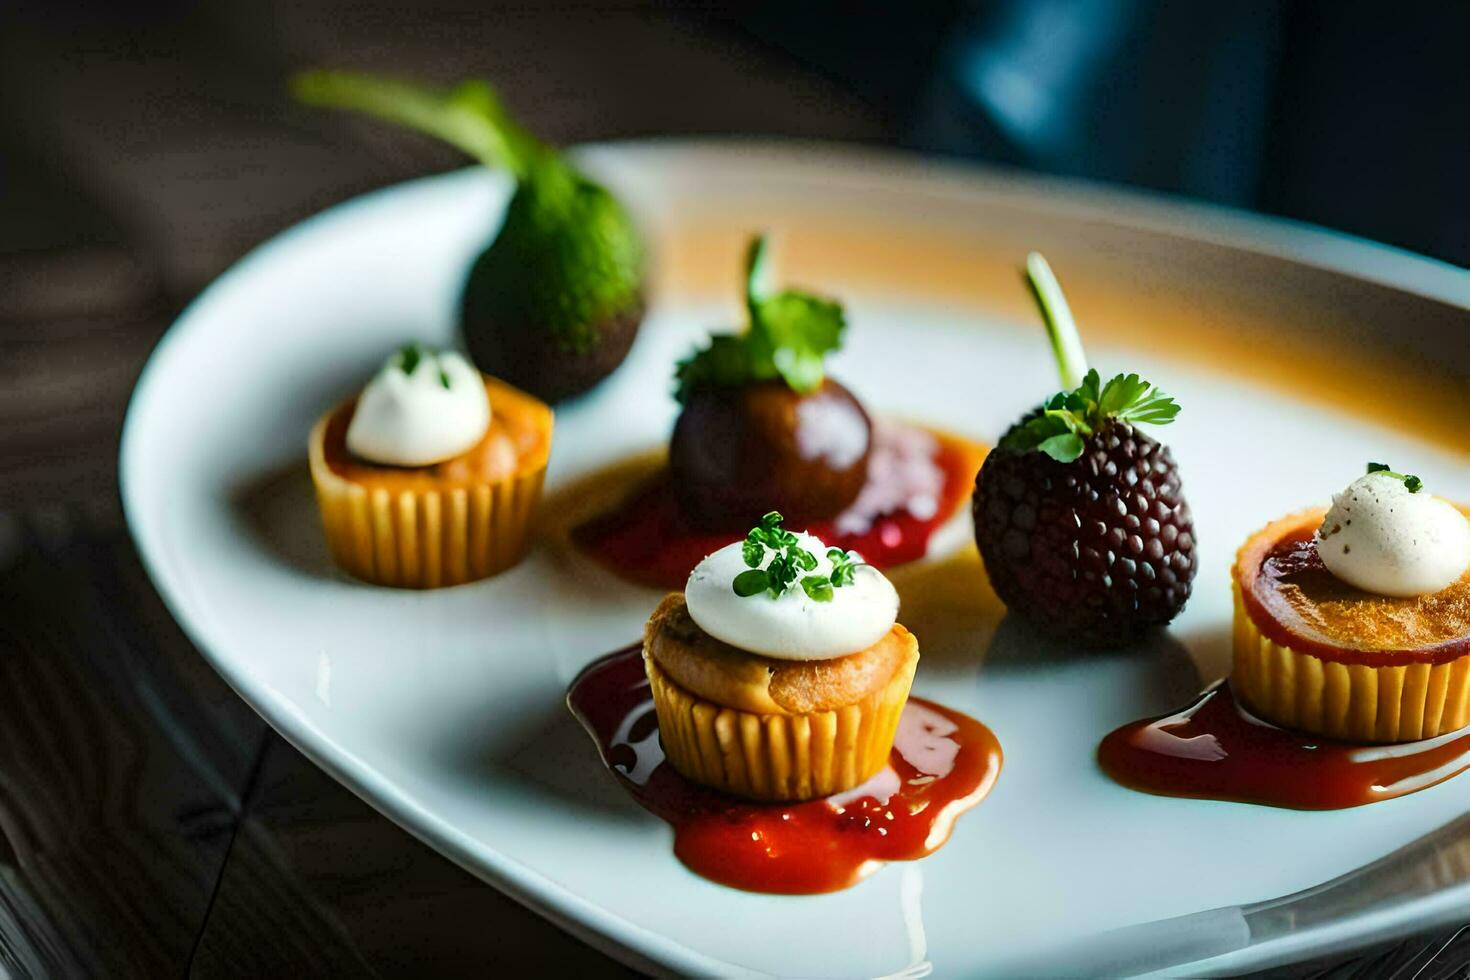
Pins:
x: 1295, y: 601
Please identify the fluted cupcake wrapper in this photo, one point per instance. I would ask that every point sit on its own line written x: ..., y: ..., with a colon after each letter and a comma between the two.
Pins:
x: 778, y: 757
x: 1353, y: 702
x: 424, y: 539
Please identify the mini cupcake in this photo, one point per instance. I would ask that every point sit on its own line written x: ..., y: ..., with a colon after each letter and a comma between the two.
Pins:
x: 1354, y: 622
x: 432, y: 475
x: 780, y: 672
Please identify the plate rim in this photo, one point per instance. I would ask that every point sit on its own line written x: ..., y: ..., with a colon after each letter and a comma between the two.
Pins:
x: 1279, y: 238
x: 1139, y: 208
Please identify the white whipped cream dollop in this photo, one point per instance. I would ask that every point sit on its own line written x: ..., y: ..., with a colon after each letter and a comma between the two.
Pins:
x: 1383, y: 538
x: 794, y: 626
x: 433, y: 412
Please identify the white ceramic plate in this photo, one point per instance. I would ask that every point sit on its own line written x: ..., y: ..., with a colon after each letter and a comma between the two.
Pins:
x: 445, y: 709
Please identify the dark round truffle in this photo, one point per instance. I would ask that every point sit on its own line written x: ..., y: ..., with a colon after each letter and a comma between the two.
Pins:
x: 740, y: 451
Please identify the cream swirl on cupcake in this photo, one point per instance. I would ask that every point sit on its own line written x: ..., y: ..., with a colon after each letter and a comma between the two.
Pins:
x: 795, y: 624
x: 1384, y: 534
x: 421, y: 408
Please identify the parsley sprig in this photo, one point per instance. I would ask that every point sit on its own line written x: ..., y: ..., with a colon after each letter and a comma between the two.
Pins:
x: 788, y: 564
x: 1411, y: 482
x: 1061, y: 426
x: 788, y: 337
x: 1064, y: 422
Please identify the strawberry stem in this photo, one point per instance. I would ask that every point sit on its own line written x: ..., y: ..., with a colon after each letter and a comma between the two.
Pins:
x: 1061, y: 329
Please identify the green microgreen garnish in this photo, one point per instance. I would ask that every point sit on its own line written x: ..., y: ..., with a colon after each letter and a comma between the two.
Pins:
x: 1063, y: 423
x: 749, y: 582
x: 817, y: 588
x: 788, y: 563
x: 788, y: 337
x: 409, y: 357
x: 1411, y: 482
x: 844, y: 566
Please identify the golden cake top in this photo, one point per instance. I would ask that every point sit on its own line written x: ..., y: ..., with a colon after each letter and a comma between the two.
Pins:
x: 720, y: 672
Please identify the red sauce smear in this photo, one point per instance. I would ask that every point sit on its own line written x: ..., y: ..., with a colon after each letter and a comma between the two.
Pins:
x: 943, y: 763
x: 648, y: 540
x: 1216, y: 750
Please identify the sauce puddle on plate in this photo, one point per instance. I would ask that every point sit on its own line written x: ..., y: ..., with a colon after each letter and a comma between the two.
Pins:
x: 943, y: 763
x: 1215, y: 749
x: 648, y: 540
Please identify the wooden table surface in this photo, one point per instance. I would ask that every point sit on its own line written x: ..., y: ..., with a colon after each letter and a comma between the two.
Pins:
x: 151, y: 825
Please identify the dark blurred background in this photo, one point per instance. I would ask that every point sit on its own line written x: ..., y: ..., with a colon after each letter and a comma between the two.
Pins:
x: 149, y: 823
x: 164, y: 122
x: 146, y: 145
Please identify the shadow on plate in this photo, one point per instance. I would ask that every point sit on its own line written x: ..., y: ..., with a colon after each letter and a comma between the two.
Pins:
x: 545, y: 745
x: 278, y: 511
x: 1211, y: 651
x: 592, y: 495
x: 948, y: 605
x: 1161, y: 674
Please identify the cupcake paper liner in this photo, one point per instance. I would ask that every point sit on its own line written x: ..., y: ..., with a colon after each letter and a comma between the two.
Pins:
x: 424, y: 539
x: 1352, y: 702
x: 778, y: 757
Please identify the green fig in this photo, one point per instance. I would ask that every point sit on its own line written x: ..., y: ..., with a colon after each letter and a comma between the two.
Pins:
x: 552, y: 305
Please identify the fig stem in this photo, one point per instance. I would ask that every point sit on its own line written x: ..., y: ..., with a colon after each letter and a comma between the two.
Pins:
x: 1061, y: 329
x: 468, y: 117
